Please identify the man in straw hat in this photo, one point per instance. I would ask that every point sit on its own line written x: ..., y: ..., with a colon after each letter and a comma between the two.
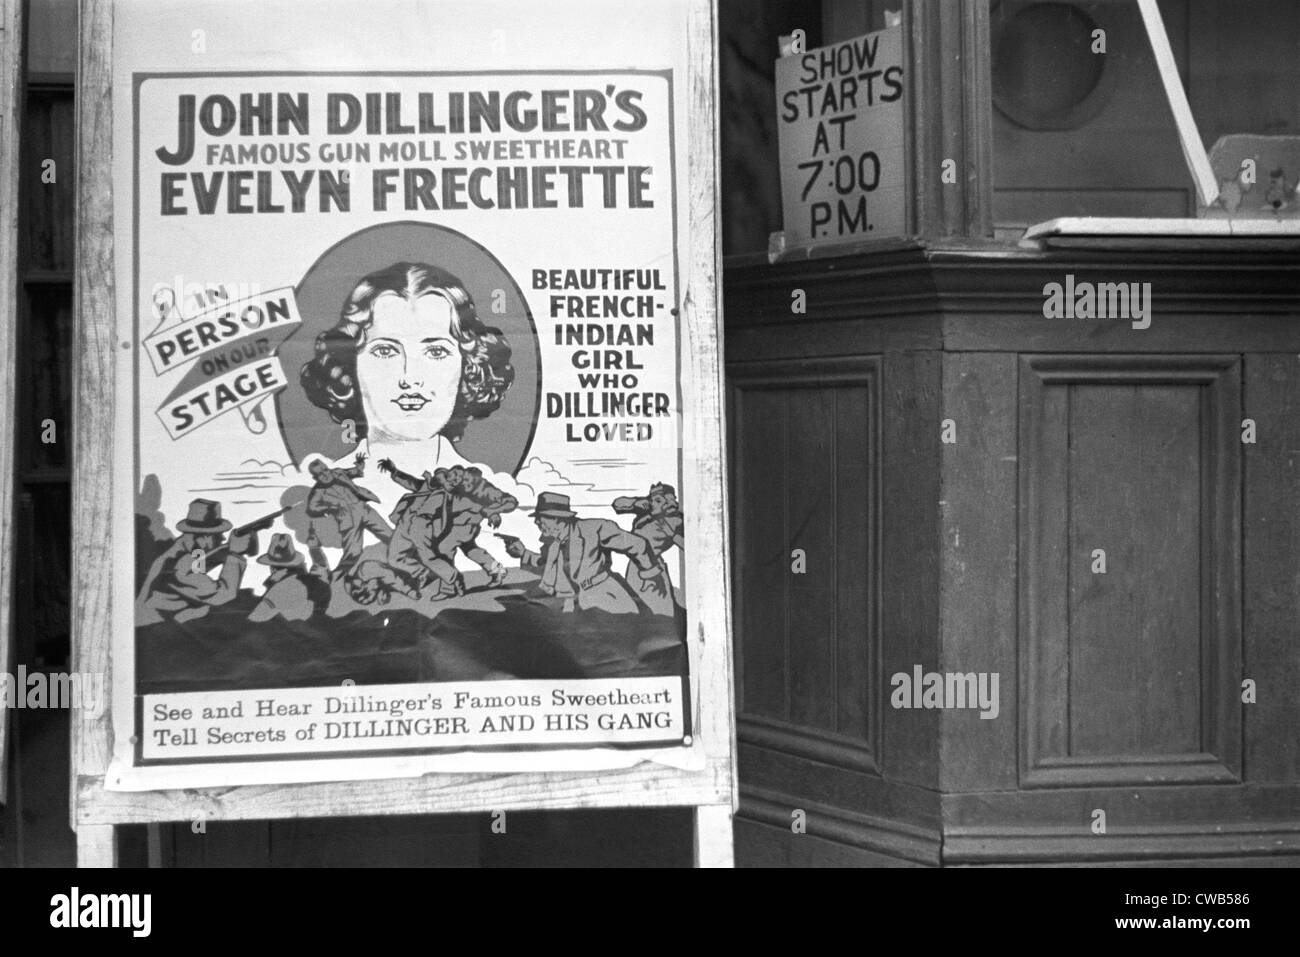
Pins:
x: 291, y: 592
x: 179, y: 584
x: 575, y: 559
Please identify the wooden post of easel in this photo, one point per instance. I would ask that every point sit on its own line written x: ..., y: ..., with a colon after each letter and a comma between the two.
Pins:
x: 710, y: 789
x: 713, y: 823
x: 11, y: 111
x: 94, y: 306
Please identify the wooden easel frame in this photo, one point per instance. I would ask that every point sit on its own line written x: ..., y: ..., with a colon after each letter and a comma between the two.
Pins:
x: 11, y: 112
x: 711, y: 791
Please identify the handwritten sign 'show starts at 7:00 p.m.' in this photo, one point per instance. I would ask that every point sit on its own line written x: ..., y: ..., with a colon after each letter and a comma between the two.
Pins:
x: 840, y: 127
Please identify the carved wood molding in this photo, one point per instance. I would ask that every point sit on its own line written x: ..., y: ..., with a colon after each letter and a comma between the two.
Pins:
x: 916, y: 278
x: 1072, y: 844
x: 839, y: 750
x: 882, y: 835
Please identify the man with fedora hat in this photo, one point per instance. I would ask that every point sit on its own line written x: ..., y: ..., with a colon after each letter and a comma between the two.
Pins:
x: 291, y: 592
x: 575, y: 559
x: 659, y: 521
x: 178, y: 584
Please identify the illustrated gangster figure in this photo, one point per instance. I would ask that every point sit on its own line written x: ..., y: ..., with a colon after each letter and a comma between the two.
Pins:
x: 659, y: 521
x: 370, y: 581
x: 179, y: 583
x: 420, y: 518
x: 473, y: 500
x: 291, y: 592
x: 336, y: 496
x: 575, y: 559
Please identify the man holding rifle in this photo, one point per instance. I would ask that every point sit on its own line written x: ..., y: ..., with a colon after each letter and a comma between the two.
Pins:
x: 179, y: 584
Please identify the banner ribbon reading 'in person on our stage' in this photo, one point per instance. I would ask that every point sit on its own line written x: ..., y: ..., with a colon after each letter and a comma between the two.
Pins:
x: 230, y: 352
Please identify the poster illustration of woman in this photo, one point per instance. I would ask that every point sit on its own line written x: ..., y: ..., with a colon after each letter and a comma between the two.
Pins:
x: 410, y: 364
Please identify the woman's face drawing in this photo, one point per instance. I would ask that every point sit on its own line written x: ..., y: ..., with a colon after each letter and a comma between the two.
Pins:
x: 409, y: 368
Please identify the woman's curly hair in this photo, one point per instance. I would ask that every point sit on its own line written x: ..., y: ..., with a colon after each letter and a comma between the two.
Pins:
x: 330, y: 379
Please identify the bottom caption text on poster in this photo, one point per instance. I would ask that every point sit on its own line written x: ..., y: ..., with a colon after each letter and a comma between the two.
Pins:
x: 256, y: 723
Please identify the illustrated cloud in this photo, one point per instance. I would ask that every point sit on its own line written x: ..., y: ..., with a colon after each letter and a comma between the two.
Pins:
x: 540, y: 475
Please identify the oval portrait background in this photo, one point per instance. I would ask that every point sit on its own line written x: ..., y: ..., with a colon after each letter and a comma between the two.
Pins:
x: 499, y: 441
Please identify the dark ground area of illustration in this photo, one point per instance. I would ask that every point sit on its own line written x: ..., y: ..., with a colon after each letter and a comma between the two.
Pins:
x: 393, y: 607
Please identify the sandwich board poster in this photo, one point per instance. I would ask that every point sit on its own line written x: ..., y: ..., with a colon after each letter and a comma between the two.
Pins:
x: 400, y: 395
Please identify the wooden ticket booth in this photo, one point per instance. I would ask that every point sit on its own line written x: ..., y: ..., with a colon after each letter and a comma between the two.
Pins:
x: 929, y: 475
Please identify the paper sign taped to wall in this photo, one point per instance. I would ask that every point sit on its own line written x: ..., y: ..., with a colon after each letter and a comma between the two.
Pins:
x: 840, y: 123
